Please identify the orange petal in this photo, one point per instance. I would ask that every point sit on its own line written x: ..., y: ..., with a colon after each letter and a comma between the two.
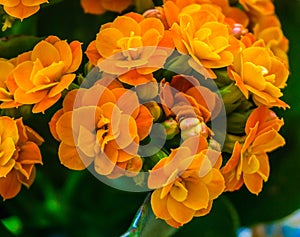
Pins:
x: 76, y: 56
x: 30, y: 154
x: 234, y: 159
x: 46, y: 53
x: 268, y: 142
x: 144, y: 122
x: 116, y: 6
x: 179, y: 191
x: 126, y: 25
x: 6, y: 168
x: 198, y: 195
x: 10, y: 186
x: 8, y: 129
x: 107, y: 40
x: 128, y: 130
x: 216, y: 185
x: 20, y: 11
x: 253, y: 182
x: 7, y: 148
x: 69, y: 157
x: 92, y: 7
x: 45, y: 103
x: 29, y: 98
x: 134, y: 78
x: 159, y: 205
x: 65, y: 53
x: 86, y: 141
x: 64, y: 83
x: 68, y: 103
x: 64, y: 129
x: 92, y: 53
x: 178, y: 211
x: 264, y: 167
x: 27, y: 181
x: 53, y: 121
x: 105, y: 162
x: 22, y: 75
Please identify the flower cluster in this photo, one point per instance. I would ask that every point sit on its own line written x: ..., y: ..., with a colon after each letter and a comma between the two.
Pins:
x: 159, y: 89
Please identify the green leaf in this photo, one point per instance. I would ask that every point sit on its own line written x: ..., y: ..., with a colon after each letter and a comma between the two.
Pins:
x: 13, y: 46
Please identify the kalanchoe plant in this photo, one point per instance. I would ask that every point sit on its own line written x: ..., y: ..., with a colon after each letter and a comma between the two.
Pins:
x: 174, y: 98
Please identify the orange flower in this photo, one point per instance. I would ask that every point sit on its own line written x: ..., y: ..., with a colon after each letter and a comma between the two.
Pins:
x: 100, y: 6
x: 7, y: 99
x: 21, y: 8
x: 256, y: 70
x: 186, y: 182
x: 192, y: 104
x: 172, y: 8
x: 19, y: 153
x: 258, y: 7
x: 43, y: 73
x: 206, y: 39
x: 130, y: 48
x: 269, y: 29
x: 105, y: 131
x: 249, y: 163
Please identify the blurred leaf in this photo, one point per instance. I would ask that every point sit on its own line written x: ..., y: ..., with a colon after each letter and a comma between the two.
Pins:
x: 4, y: 232
x: 13, y: 46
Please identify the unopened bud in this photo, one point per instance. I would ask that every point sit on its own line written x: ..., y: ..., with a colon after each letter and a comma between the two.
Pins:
x: 154, y: 109
x: 179, y: 64
x: 231, y: 96
x: 230, y: 140
x: 147, y: 91
x: 190, y: 127
x: 171, y: 128
x: 236, y: 121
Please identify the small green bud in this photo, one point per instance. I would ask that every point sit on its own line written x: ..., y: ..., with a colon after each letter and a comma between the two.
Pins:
x: 154, y: 109
x: 236, y: 121
x: 171, y: 128
x: 222, y: 77
x: 231, y: 96
x: 179, y: 64
x: 230, y: 141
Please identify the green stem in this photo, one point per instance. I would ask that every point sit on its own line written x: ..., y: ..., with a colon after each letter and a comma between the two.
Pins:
x: 145, y: 223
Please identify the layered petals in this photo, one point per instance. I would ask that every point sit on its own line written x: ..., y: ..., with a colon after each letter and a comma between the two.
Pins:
x: 186, y: 182
x: 259, y: 73
x: 99, y: 126
x: 131, y: 45
x: 249, y: 163
x: 19, y: 152
x: 23, y: 8
x: 47, y: 70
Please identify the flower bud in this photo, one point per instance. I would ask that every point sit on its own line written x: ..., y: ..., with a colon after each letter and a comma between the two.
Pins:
x: 190, y: 127
x: 147, y: 91
x: 231, y: 96
x: 179, y: 64
x: 154, y: 109
x: 236, y: 121
x: 171, y: 128
x: 222, y: 78
x: 230, y: 141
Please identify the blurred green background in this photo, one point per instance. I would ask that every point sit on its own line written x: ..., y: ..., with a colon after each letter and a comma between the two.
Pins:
x: 64, y: 203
